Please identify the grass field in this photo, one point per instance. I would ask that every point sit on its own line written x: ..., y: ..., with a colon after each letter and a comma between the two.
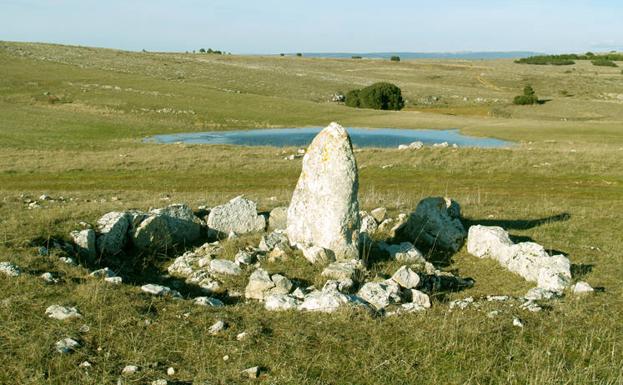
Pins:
x: 72, y: 120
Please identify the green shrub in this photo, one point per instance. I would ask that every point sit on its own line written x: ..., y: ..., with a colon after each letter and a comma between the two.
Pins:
x: 299, y: 54
x: 604, y: 63
x: 528, y: 98
x: 355, y: 57
x: 378, y: 96
x: 395, y: 58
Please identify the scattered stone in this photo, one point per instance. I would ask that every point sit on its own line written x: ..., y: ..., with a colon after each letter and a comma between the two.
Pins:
x: 66, y: 345
x: 582, y: 288
x: 223, y: 266
x: 238, y: 215
x: 278, y: 218
x: 62, y: 313
x: 435, y: 223
x: 324, y: 210
x: 259, y: 285
x: 208, y: 302
x: 517, y: 322
x: 406, y: 278
x: 368, y: 224
x: 85, y: 365
x: 318, y: 255
x: 282, y: 284
x: 462, y: 304
x: 379, y: 294
x: 404, y: 252
x: 344, y: 270
x: 129, y: 369
x: 85, y: 243
x: 270, y: 241
x: 160, y: 290
x: 539, y: 293
x: 379, y: 214
x: 68, y: 260
x: 184, y: 227
x: 103, y: 273
x: 498, y: 298
x: 152, y: 233
x: 114, y: 280
x: 113, y: 229
x: 280, y: 252
x: 280, y: 302
x: 419, y: 298
x: 493, y: 313
x: 252, y: 373
x: 242, y: 336
x: 217, y: 327
x: 170, y: 371
x: 324, y: 301
x: 440, y: 145
x: 49, y: 278
x: 160, y: 382
x: 531, y: 306
x: 343, y: 286
x: 405, y: 308
x: 245, y: 257
x: 528, y: 259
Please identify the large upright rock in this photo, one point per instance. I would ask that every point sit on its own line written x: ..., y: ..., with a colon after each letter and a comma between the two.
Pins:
x: 239, y: 215
x: 324, y: 210
x: 113, y: 232
x: 435, y: 223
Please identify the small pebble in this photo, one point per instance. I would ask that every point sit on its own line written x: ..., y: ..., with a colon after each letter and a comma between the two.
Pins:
x: 129, y: 369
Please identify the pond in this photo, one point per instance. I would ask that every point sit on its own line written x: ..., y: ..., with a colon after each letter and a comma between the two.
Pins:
x: 301, y: 137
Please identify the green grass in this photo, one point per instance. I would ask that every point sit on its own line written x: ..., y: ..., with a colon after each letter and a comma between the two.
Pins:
x: 569, y: 160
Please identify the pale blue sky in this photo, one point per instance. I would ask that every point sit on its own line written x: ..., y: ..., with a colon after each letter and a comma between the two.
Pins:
x: 273, y: 26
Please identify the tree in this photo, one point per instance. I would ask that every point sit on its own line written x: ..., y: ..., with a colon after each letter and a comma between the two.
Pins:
x: 299, y: 54
x: 202, y: 50
x: 528, y: 98
x: 395, y: 58
x: 378, y: 96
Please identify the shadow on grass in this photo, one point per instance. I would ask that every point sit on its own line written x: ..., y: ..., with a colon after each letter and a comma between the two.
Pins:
x: 517, y: 224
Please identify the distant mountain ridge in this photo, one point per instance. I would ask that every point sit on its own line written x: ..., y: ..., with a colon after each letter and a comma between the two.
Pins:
x: 484, y: 55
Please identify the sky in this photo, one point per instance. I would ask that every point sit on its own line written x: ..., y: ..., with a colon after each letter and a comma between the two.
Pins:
x: 275, y: 26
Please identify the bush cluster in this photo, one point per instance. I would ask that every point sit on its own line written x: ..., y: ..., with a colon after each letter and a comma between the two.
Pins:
x: 604, y: 63
x: 395, y: 58
x: 568, y: 59
x: 528, y: 98
x: 378, y: 96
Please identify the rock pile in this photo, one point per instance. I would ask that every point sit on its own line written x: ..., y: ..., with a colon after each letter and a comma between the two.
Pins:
x: 528, y: 259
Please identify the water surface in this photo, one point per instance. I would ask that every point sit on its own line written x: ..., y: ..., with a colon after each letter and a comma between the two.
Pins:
x: 301, y: 137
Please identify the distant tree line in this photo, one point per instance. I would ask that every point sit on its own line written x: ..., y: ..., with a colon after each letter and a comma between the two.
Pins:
x: 378, y: 96
x: 211, y: 51
x: 569, y: 59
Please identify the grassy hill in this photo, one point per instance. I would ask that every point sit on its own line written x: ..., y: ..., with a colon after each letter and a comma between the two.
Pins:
x: 72, y: 120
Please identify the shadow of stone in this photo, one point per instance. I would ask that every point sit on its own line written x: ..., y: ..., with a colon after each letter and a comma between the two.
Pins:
x: 579, y: 270
x: 516, y: 224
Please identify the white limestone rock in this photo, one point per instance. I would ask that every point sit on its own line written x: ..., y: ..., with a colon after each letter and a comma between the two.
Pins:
x: 9, y: 269
x: 379, y: 294
x: 278, y: 218
x: 368, y: 224
x: 48, y: 278
x: 281, y: 302
x: 379, y: 214
x: 152, y: 233
x: 404, y: 252
x: 66, y: 345
x: 419, y: 298
x: 184, y: 227
x: 208, y: 302
x: 259, y: 285
x: 343, y: 286
x: 487, y: 241
x: 113, y: 232
x: 582, y: 288
x: 324, y: 210
x: 318, y: 255
x: 344, y: 270
x: 324, y: 301
x: 239, y: 215
x: 62, y: 313
x: 282, y: 284
x: 129, y: 370
x: 223, y: 266
x: 102, y: 273
x: 406, y: 278
x: 85, y: 243
x: 435, y: 223
x: 269, y: 241
x: 217, y: 327
x: 159, y: 290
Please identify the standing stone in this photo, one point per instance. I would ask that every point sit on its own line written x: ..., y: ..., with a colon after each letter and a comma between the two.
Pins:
x: 85, y: 243
x: 239, y: 216
x: 113, y: 228
x: 324, y: 210
x: 436, y: 223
